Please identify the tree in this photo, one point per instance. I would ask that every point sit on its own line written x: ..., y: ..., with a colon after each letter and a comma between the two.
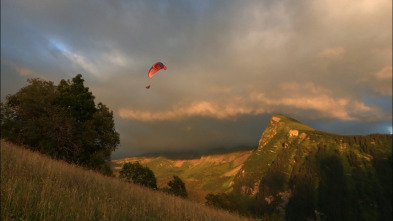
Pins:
x: 61, y: 121
x: 138, y: 174
x: 177, y: 187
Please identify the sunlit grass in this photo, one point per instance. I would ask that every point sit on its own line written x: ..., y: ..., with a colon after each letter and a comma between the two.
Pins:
x: 35, y: 187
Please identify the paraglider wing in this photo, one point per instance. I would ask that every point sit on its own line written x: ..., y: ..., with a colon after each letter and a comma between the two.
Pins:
x: 155, y: 68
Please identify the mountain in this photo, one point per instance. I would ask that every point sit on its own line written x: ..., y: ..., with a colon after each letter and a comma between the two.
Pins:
x: 301, y: 173
x: 295, y: 173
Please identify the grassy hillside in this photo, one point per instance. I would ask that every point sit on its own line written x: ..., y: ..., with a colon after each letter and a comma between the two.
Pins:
x: 34, y: 187
x: 207, y: 174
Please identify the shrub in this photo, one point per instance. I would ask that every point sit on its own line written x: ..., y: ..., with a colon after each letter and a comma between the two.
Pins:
x: 138, y: 174
x: 176, y: 187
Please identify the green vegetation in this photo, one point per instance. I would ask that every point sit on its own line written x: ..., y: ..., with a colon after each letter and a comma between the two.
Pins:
x: 138, y: 174
x: 61, y: 121
x: 35, y: 187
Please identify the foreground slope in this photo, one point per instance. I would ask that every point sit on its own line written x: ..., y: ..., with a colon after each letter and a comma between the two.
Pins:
x: 34, y: 187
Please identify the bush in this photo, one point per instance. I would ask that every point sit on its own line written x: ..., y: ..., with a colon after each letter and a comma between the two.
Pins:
x: 138, y: 174
x: 176, y: 187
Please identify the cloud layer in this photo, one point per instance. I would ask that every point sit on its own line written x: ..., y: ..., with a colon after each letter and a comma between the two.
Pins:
x: 303, y: 97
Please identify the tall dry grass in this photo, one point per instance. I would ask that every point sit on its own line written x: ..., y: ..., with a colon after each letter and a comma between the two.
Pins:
x: 35, y: 187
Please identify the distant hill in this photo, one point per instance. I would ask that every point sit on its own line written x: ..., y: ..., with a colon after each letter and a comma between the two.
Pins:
x: 193, y: 154
x: 205, y: 174
x: 35, y: 187
x: 295, y: 173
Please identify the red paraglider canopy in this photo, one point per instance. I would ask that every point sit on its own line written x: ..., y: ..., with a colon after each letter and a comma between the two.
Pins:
x: 155, y: 68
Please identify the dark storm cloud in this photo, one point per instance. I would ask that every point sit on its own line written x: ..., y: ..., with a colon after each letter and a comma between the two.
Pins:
x: 231, y: 64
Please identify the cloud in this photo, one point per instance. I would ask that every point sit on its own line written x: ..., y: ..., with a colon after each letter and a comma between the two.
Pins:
x: 383, y: 81
x: 333, y: 53
x: 326, y: 106
x: 200, y: 109
x: 23, y: 71
x: 303, y: 97
x: 102, y: 65
x: 384, y: 74
x: 380, y: 81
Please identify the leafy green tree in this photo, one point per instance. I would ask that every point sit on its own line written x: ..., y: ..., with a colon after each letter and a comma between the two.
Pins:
x: 61, y: 121
x: 77, y: 99
x: 27, y: 113
x: 177, y: 187
x: 138, y: 174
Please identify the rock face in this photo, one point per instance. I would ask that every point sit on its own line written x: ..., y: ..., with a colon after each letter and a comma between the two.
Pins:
x: 270, y: 131
x: 293, y: 133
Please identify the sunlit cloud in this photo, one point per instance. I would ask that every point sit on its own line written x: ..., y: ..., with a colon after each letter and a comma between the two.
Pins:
x: 306, y: 98
x: 326, y: 106
x: 380, y: 81
x: 383, y: 83
x: 201, y: 109
x: 22, y: 71
x: 384, y: 74
x: 333, y: 53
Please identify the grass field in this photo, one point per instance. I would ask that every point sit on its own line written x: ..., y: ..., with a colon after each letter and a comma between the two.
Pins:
x: 35, y: 187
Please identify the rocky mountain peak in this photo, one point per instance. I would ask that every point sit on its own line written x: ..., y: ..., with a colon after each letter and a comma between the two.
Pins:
x: 285, y: 127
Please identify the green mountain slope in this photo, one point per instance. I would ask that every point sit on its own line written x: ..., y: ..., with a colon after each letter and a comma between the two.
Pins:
x: 300, y: 173
x: 280, y: 132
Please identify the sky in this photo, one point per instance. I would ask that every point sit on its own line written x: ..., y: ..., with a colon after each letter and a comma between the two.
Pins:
x: 231, y: 65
